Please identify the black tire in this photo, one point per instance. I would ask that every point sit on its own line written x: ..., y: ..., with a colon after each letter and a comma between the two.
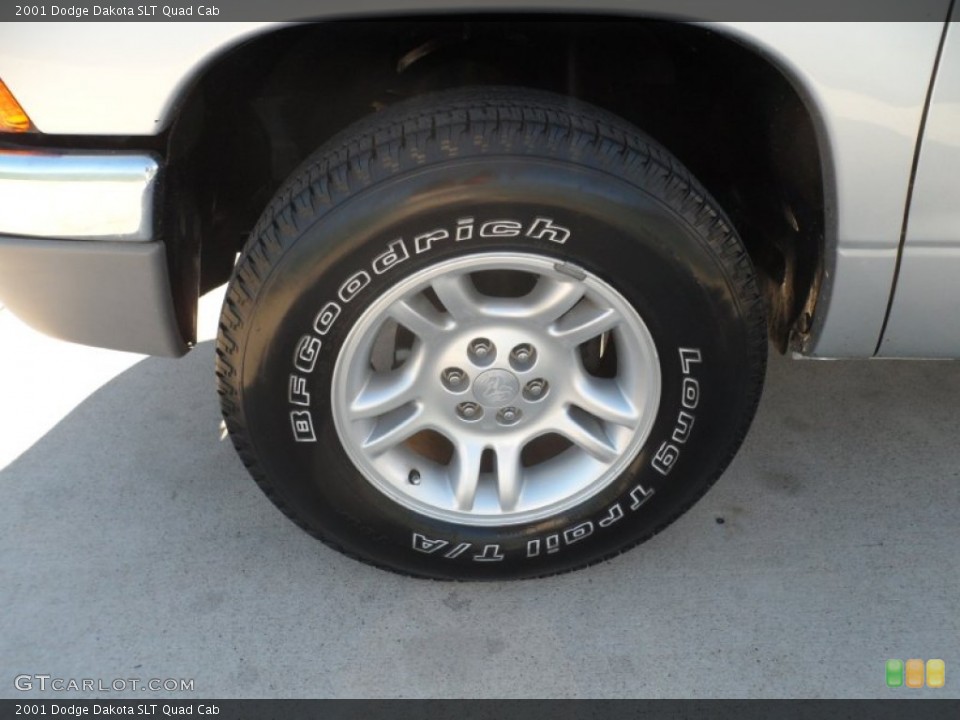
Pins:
x: 636, y: 219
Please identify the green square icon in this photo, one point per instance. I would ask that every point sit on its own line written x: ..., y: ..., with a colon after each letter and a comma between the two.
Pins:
x: 894, y: 673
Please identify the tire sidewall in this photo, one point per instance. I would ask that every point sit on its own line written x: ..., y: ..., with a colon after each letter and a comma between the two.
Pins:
x: 624, y: 234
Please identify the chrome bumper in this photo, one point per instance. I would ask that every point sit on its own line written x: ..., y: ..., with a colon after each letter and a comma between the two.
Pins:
x: 79, y: 257
x: 77, y: 196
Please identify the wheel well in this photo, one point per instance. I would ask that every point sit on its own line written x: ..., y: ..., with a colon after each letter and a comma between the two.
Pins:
x: 723, y: 110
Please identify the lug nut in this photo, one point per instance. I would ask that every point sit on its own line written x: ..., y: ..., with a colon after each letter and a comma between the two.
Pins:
x: 523, y: 356
x: 482, y: 351
x: 536, y: 389
x: 469, y: 411
x: 508, y: 416
x: 454, y: 379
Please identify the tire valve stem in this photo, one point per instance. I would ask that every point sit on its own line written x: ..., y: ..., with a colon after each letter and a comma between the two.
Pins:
x: 414, y: 477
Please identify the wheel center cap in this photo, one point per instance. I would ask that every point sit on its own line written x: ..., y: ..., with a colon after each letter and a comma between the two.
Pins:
x: 496, y: 388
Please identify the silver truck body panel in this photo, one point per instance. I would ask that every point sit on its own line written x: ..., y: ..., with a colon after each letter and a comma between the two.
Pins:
x: 865, y: 85
x: 925, y: 313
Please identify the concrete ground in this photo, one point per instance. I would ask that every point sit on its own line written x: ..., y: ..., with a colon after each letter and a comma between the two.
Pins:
x: 135, y: 546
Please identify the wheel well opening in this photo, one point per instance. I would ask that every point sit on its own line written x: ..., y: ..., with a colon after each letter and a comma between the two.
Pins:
x: 725, y: 112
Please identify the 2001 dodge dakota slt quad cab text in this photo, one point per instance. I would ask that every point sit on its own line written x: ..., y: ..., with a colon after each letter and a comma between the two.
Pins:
x: 500, y: 288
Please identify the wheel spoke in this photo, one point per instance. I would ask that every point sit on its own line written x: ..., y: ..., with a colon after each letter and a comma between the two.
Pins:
x: 586, y: 432
x: 394, y: 428
x: 385, y: 392
x: 465, y: 473
x: 509, y: 475
x: 458, y: 295
x: 550, y: 299
x: 419, y: 317
x: 584, y: 323
x: 603, y: 398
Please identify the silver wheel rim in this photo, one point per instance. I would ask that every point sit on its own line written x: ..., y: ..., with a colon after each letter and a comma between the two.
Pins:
x: 487, y: 408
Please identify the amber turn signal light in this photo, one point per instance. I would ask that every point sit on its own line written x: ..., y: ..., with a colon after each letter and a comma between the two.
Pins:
x: 12, y: 116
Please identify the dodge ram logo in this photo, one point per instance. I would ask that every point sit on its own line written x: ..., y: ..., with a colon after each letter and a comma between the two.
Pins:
x: 496, y: 388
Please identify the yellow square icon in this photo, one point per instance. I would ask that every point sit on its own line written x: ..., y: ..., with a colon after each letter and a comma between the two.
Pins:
x: 914, y: 674
x: 936, y: 673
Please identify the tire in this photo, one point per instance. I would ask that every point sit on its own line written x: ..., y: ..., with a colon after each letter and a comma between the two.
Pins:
x: 487, y: 334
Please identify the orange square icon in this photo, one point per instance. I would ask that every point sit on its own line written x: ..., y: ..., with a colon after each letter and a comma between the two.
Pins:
x: 936, y: 673
x: 914, y: 674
